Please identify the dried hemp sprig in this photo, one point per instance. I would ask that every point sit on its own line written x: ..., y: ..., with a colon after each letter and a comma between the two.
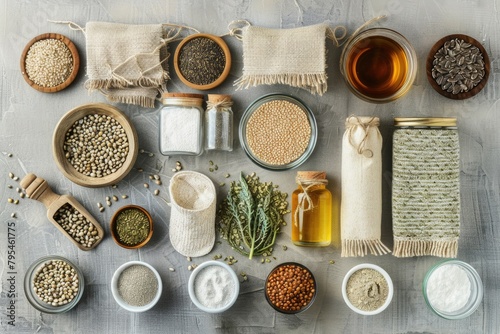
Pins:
x: 251, y: 215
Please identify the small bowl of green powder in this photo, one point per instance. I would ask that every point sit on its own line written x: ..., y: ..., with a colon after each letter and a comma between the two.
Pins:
x: 131, y: 227
x: 136, y: 286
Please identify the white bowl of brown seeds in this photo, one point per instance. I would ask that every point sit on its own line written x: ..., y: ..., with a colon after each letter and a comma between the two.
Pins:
x: 95, y: 145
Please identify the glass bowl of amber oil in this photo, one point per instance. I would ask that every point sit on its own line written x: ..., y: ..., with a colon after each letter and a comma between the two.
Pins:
x: 379, y: 65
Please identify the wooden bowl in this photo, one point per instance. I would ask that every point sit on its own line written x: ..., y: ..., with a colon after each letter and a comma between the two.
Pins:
x: 429, y: 65
x: 74, y: 53
x: 225, y: 72
x: 67, y: 121
x: 114, y: 234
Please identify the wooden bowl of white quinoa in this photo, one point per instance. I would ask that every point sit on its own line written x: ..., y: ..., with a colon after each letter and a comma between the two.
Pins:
x: 50, y: 62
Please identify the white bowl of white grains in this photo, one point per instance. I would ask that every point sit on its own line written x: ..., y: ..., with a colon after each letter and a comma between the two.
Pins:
x: 136, y: 286
x: 213, y: 287
x: 367, y: 289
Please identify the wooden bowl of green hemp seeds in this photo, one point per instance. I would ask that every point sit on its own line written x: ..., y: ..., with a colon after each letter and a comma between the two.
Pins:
x: 202, y: 61
x: 131, y: 227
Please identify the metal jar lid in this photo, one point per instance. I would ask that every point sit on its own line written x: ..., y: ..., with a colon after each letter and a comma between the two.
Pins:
x: 425, y: 122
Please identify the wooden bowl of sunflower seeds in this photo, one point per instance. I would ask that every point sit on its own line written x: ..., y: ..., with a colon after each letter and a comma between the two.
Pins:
x: 95, y: 145
x: 458, y: 66
x: 50, y: 62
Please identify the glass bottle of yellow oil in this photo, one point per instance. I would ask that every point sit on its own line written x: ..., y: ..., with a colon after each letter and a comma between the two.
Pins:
x: 312, y: 210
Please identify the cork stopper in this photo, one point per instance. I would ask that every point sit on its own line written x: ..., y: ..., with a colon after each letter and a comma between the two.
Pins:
x: 216, y: 98
x: 311, y: 175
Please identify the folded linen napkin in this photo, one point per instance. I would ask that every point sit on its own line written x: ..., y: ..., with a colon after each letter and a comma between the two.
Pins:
x: 124, y: 63
x: 294, y: 57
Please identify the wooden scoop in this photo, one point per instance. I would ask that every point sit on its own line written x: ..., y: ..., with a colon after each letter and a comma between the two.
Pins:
x: 38, y: 189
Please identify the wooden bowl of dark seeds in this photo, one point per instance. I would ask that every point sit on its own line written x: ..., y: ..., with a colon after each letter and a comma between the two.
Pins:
x: 202, y: 61
x: 50, y: 62
x: 95, y: 145
x: 458, y: 67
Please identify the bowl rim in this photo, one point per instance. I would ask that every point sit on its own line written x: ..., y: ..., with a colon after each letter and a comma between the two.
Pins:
x: 116, y: 295
x: 386, y: 277
x: 225, y: 72
x: 410, y: 54
x: 475, y: 280
x: 310, y: 302
x: 429, y: 65
x: 33, y: 298
x: 192, y: 293
x: 112, y: 225
x: 67, y: 121
x: 254, y: 106
x: 74, y: 53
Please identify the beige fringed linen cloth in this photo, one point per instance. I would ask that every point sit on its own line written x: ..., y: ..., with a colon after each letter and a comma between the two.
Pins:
x: 124, y: 62
x: 294, y: 57
x: 426, y: 192
x: 361, y: 204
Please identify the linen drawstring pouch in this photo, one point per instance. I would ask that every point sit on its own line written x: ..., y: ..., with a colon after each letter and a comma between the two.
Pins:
x: 294, y: 57
x: 361, y: 205
x: 124, y: 62
x: 426, y: 192
x: 192, y: 213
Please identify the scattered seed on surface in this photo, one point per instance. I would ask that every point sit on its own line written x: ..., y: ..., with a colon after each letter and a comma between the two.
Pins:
x: 108, y: 203
x: 115, y: 198
x: 22, y: 195
x: 227, y: 175
x: 15, y: 178
x: 101, y: 209
x: 124, y: 196
x: 171, y: 269
x: 9, y: 186
x: 114, y: 186
x: 140, y: 170
x: 13, y: 215
x: 222, y: 184
x: 156, y: 192
x: 16, y: 201
x: 284, y: 247
x: 146, y: 185
x: 10, y: 200
x: 190, y: 268
x: 158, y: 182
x: 331, y: 262
x: 188, y: 258
x: 156, y: 177
x: 11, y: 175
x: 9, y: 155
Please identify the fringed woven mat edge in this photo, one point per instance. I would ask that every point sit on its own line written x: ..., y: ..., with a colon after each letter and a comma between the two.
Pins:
x: 316, y: 83
x: 354, y: 248
x: 440, y: 248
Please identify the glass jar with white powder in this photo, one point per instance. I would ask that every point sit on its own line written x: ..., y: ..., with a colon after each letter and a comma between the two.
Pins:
x: 453, y: 289
x: 181, y: 128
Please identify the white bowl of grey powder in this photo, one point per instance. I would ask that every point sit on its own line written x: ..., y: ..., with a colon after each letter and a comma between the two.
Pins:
x: 367, y: 289
x: 453, y: 289
x: 213, y: 287
x: 136, y: 286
